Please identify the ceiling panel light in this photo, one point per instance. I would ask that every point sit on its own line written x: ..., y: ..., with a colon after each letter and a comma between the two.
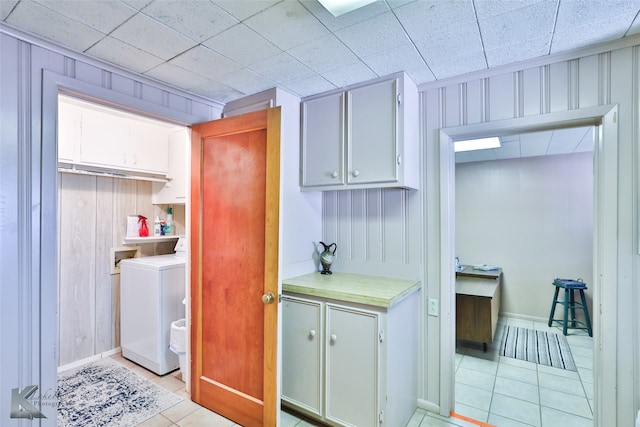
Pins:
x: 340, y: 7
x: 476, y: 144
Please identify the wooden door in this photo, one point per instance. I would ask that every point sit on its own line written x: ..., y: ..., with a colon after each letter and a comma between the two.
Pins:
x: 234, y: 263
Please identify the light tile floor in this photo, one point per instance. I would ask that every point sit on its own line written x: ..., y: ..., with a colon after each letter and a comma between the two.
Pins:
x: 509, y: 392
x: 497, y: 390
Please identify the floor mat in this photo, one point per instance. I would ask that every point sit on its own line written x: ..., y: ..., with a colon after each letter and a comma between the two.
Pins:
x: 539, y: 347
x: 106, y: 393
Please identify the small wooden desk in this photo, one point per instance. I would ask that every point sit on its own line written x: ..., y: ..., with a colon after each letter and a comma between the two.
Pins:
x: 477, y: 304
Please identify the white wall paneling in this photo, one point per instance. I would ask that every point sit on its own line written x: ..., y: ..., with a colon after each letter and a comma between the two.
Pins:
x: 374, y: 231
x: 534, y: 218
x: 598, y: 88
x: 33, y: 72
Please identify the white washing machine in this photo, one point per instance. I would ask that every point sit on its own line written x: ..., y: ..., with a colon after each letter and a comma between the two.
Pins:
x: 151, y: 293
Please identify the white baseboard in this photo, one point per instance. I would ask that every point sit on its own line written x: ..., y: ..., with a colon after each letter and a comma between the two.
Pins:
x: 524, y: 317
x: 428, y: 406
x: 89, y: 359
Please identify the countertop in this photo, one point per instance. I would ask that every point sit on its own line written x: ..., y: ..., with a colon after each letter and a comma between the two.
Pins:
x: 470, y: 271
x: 476, y: 286
x: 369, y: 290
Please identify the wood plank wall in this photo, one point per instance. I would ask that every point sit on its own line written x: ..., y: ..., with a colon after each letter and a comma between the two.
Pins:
x: 92, y: 219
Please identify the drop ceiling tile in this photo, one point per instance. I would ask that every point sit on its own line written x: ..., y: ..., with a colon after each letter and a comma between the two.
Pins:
x: 517, y: 26
x: 635, y: 27
x: 246, y: 81
x: 394, y: 4
x: 177, y: 76
x: 488, y: 8
x: 198, y: 20
x: 507, y: 150
x: 245, y: 8
x: 216, y: 91
x: 459, y: 41
x: 309, y: 86
x: 587, y: 142
x: 349, y: 74
x: 152, y: 36
x: 206, y: 62
x: 432, y: 16
x: 458, y: 65
x: 125, y: 55
x: 403, y: 58
x: 137, y: 4
x: 335, y: 23
x: 508, y: 54
x: 103, y: 16
x: 6, y: 7
x: 287, y: 24
x: 463, y: 157
x: 566, y: 140
x: 378, y: 34
x: 242, y: 45
x: 587, y: 34
x: 37, y: 19
x: 323, y: 54
x: 482, y: 155
x: 281, y: 67
x: 535, y: 143
x: 582, y: 23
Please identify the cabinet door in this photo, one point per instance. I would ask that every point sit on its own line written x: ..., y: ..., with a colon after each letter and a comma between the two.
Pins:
x: 69, y: 131
x: 105, y: 139
x: 149, y: 147
x: 174, y: 191
x: 372, y: 133
x: 323, y: 141
x: 352, y: 366
x: 302, y: 353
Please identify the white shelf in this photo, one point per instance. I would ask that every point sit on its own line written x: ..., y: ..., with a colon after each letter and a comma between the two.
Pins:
x: 150, y: 239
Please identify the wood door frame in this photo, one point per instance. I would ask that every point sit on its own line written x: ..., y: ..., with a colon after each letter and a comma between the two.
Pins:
x: 604, y: 118
x: 249, y: 122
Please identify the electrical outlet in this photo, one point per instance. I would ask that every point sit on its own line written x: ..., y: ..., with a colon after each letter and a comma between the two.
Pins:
x: 433, y: 307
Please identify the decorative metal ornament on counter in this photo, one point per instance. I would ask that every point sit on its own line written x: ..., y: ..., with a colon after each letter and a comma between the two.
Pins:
x: 326, y: 257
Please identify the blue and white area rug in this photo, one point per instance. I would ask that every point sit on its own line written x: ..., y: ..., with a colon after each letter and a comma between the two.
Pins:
x: 106, y: 393
x: 539, y: 347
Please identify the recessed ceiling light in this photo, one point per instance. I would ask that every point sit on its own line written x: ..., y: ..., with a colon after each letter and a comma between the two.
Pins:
x: 340, y: 7
x: 476, y: 144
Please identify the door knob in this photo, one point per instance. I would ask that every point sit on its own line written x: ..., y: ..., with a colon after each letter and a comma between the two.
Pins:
x: 268, y: 298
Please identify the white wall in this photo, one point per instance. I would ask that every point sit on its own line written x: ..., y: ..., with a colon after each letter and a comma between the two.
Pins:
x: 33, y: 71
x: 600, y: 76
x: 534, y: 218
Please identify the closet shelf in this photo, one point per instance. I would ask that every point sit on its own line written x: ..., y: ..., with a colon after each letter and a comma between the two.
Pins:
x: 150, y: 239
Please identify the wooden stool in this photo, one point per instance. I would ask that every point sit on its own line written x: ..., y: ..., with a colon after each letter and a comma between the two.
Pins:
x: 569, y: 287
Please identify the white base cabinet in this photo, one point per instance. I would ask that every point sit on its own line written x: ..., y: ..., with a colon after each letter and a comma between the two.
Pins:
x: 350, y: 364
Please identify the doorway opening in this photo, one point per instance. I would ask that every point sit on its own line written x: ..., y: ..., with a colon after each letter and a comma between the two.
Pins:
x: 111, y: 165
x: 526, y: 207
x: 604, y: 242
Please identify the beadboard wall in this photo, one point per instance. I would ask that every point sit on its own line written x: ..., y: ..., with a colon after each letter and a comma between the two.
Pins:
x: 376, y: 231
x: 534, y: 218
x: 606, y: 75
x: 33, y: 71
x: 92, y: 219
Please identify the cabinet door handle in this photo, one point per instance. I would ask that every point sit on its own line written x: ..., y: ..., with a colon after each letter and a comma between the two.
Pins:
x: 356, y: 173
x: 334, y: 174
x: 333, y: 338
x: 312, y: 333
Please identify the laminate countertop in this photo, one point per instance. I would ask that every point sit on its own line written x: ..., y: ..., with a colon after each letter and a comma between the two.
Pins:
x: 356, y: 288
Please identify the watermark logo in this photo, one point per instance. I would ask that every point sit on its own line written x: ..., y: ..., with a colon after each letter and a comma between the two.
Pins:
x: 20, y: 405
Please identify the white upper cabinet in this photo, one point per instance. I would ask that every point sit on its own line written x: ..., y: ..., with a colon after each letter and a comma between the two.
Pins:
x: 323, y: 141
x: 174, y: 191
x: 363, y: 136
x: 90, y: 135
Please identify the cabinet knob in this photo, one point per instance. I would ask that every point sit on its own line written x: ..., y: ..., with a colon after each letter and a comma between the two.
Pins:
x: 312, y: 333
x: 334, y: 174
x: 268, y: 298
x: 356, y: 173
x: 333, y: 338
